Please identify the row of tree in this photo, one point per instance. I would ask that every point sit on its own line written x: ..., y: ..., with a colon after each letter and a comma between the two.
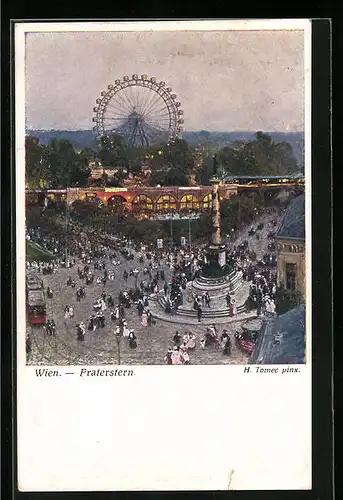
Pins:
x: 260, y: 156
x: 55, y: 165
x: 59, y: 165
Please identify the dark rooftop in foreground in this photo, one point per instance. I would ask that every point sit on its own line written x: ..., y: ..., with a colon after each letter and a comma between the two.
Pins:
x: 282, y: 339
x: 292, y: 224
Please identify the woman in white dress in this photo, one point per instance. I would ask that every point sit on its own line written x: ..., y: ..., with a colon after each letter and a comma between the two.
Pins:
x: 144, y: 320
x: 184, y: 356
x: 126, y: 330
x: 66, y: 312
x: 117, y: 313
x: 176, y: 357
x: 185, y: 339
x: 191, y: 341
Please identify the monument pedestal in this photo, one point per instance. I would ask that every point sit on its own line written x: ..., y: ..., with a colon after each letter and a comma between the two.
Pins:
x: 217, y: 253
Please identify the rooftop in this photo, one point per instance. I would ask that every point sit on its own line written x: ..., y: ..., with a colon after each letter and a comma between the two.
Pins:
x: 282, y: 339
x: 292, y: 224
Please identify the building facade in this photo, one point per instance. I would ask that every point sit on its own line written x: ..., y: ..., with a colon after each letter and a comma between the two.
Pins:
x: 290, y: 247
x: 146, y: 199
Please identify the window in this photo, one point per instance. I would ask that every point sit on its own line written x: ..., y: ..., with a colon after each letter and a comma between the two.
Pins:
x: 207, y: 201
x: 166, y: 202
x: 117, y: 201
x: 188, y: 201
x: 142, y: 203
x: 291, y: 274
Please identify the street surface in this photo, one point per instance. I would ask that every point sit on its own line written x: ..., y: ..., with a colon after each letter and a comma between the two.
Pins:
x: 101, y: 347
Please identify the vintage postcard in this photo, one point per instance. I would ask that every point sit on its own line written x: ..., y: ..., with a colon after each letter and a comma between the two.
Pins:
x: 163, y: 255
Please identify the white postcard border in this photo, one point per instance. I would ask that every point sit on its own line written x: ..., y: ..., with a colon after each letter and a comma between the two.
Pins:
x: 66, y: 447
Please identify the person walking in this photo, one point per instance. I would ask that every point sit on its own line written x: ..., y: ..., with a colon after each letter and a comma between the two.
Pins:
x: 199, y: 313
x: 71, y: 312
x: 177, y: 339
x: 66, y: 312
x: 185, y: 338
x: 227, y: 347
x: 144, y: 320
x: 191, y: 341
x: 140, y: 307
x: 126, y: 331
x: 117, y: 313
x: 28, y: 345
x: 168, y: 356
x: 185, y: 359
x: 149, y: 317
x: 176, y: 357
x: 132, y: 340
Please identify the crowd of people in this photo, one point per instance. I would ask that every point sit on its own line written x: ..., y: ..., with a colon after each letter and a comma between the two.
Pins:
x: 260, y: 271
x: 151, y: 271
x: 183, y: 345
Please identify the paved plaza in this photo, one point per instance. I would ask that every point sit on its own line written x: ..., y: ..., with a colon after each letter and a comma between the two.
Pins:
x: 101, y: 347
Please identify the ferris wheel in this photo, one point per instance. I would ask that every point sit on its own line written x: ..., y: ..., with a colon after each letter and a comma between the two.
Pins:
x: 139, y: 109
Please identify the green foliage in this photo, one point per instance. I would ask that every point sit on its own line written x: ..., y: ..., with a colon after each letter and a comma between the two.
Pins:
x: 145, y: 230
x: 285, y: 300
x: 158, y: 178
x: 179, y: 155
x: 34, y: 166
x: 202, y: 227
x: 59, y: 165
x: 172, y: 177
x: 86, y: 156
x: 204, y: 174
x: 258, y: 157
x: 112, y: 151
x: 56, y: 165
x: 237, y: 211
x: 37, y: 254
x: 116, y: 180
x: 83, y: 209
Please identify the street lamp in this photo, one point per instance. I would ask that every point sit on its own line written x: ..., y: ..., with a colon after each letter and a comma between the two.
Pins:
x: 189, y: 233
x: 118, y: 339
x: 171, y: 230
x: 136, y: 273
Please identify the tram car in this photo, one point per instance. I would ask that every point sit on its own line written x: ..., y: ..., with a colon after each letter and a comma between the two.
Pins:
x: 33, y: 282
x: 35, y: 300
x: 246, y: 340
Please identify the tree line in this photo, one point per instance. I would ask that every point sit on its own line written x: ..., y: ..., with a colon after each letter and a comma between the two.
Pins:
x: 58, y: 164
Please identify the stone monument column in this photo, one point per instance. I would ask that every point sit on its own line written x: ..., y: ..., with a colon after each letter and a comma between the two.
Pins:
x: 216, y: 248
x: 215, y: 212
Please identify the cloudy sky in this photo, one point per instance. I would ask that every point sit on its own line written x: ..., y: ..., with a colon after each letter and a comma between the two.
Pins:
x: 225, y: 80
